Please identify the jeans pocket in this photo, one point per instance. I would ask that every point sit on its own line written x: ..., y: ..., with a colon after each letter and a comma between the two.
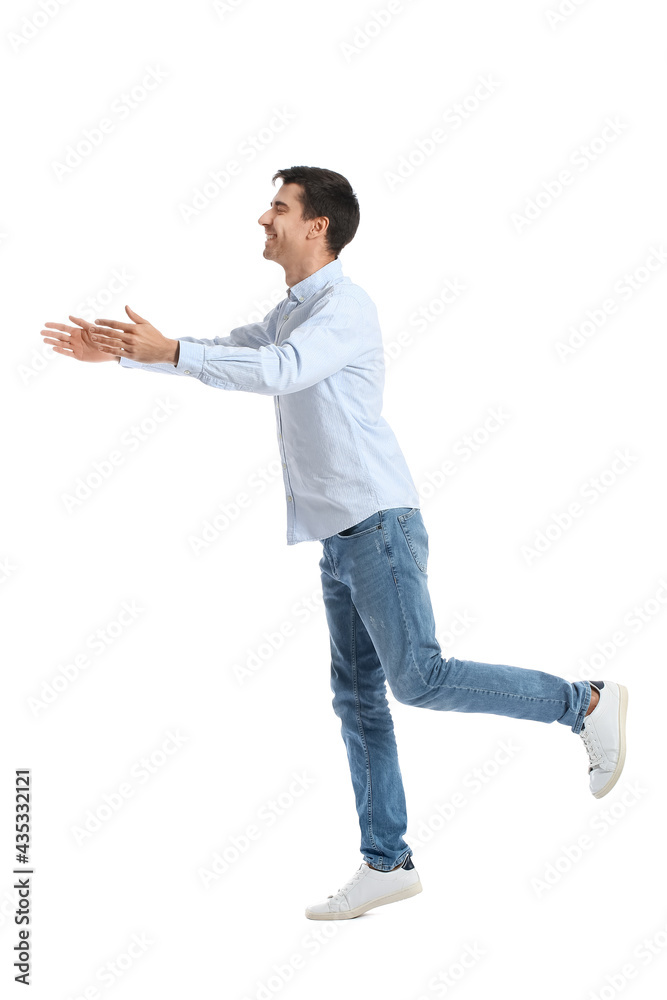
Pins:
x: 371, y: 523
x: 416, y: 536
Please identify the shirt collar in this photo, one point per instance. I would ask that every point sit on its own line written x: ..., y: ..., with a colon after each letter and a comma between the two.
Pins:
x: 304, y: 289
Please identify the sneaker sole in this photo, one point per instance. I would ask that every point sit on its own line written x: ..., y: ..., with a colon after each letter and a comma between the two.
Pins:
x: 411, y: 890
x: 616, y: 773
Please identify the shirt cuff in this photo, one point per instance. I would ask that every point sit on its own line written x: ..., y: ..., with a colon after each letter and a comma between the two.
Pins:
x: 190, y: 358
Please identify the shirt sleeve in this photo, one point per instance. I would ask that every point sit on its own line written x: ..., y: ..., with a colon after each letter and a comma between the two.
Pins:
x: 328, y: 340
x: 251, y: 336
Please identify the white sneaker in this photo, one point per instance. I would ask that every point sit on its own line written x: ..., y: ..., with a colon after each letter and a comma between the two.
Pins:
x: 367, y: 888
x: 603, y: 733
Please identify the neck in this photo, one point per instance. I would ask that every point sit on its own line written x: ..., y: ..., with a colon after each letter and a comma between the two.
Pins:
x: 294, y: 273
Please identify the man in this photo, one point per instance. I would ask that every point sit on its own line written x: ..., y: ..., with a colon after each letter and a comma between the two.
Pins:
x: 319, y: 353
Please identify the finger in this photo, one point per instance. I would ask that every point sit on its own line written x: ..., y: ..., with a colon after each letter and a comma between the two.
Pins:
x: 135, y: 315
x: 85, y: 323
x: 63, y: 338
x: 103, y: 331
x: 108, y: 349
x: 62, y: 326
x: 59, y: 340
x: 127, y: 327
x: 63, y: 350
x: 100, y: 342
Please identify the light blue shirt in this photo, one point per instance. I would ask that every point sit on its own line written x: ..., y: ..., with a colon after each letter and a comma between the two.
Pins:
x: 319, y: 353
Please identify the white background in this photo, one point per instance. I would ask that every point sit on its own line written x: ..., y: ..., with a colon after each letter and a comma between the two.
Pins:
x: 361, y: 97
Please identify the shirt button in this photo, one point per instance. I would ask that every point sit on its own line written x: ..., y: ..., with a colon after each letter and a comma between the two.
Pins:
x: 284, y: 465
x: 301, y: 298
x: 187, y: 371
x: 289, y: 498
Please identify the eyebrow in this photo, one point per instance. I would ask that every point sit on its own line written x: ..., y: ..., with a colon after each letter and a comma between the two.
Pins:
x: 279, y: 203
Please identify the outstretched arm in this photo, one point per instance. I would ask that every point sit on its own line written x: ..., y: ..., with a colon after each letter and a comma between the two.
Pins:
x: 132, y: 344
x: 332, y: 337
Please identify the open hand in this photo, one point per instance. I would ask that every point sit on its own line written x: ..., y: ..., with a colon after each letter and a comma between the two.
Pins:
x: 74, y: 341
x: 138, y: 340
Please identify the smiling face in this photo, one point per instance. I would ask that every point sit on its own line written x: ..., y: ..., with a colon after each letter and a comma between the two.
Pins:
x: 291, y: 239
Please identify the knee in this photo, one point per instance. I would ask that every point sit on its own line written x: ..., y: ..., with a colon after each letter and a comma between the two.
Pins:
x: 411, y: 688
x: 405, y: 694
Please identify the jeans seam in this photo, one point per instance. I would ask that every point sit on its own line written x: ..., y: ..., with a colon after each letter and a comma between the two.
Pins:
x: 400, y: 601
x: 579, y: 721
x: 406, y: 534
x: 360, y: 726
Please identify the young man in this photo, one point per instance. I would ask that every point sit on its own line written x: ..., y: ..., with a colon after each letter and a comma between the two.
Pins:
x: 319, y: 353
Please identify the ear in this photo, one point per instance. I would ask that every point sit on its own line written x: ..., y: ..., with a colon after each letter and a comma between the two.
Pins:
x: 320, y: 226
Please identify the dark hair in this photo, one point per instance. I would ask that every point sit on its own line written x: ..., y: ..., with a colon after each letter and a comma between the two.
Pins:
x: 326, y: 193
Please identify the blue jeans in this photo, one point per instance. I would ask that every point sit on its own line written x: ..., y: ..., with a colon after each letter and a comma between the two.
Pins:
x: 381, y: 626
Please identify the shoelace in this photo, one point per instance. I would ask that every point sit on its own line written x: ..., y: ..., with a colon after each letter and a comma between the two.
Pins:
x: 594, y: 754
x: 348, y: 885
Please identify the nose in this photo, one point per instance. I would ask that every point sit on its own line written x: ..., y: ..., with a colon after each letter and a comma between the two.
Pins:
x: 263, y: 221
